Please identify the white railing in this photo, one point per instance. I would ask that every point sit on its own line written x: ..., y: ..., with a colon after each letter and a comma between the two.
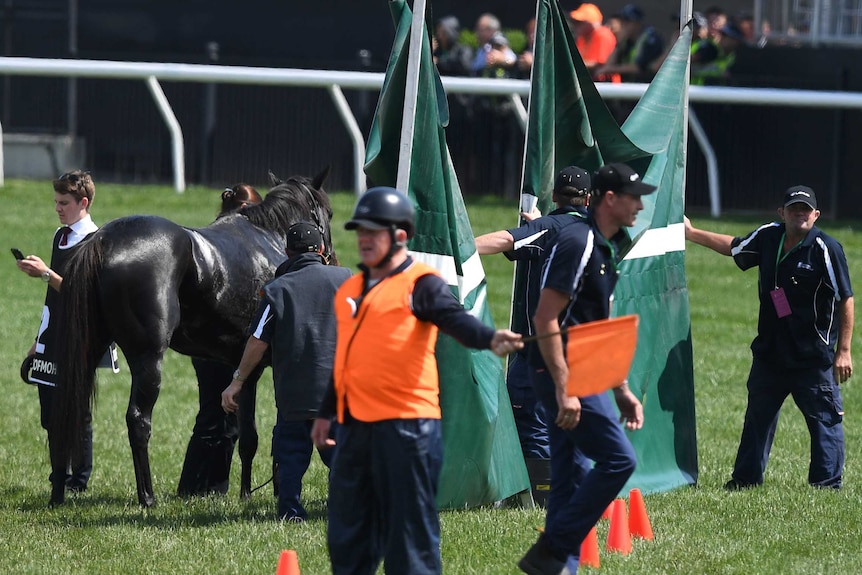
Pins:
x: 335, y: 81
x: 816, y: 22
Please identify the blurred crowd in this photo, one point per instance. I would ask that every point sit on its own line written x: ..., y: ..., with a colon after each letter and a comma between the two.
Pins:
x: 620, y: 47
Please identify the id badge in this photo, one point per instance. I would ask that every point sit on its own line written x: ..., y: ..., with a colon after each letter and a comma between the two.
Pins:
x: 779, y: 301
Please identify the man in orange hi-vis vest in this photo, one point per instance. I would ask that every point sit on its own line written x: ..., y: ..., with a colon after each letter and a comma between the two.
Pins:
x: 385, y: 394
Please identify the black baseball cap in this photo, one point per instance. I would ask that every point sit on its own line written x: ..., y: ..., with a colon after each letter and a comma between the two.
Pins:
x: 797, y: 194
x: 303, y: 237
x: 572, y: 181
x: 632, y: 13
x: 620, y: 178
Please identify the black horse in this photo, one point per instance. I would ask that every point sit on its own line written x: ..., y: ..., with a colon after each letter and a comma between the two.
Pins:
x: 149, y: 284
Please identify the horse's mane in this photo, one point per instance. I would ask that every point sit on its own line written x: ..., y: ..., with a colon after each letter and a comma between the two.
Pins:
x: 298, y: 198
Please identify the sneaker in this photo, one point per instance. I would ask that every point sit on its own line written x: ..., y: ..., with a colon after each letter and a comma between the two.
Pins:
x: 540, y: 560
x: 291, y: 519
x: 736, y: 485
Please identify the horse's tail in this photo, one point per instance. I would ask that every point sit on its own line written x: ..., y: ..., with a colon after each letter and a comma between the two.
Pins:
x: 81, y: 341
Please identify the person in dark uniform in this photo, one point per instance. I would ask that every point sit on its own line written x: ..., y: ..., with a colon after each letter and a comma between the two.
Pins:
x: 804, y: 331
x: 206, y: 468
x: 73, y: 195
x: 385, y: 396
x: 640, y: 46
x: 296, y: 320
x: 529, y: 243
x: 578, y: 282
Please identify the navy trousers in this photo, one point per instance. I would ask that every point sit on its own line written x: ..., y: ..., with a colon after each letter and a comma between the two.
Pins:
x: 291, y: 450
x: 818, y: 397
x: 382, y: 497
x: 530, y: 420
x: 574, y: 509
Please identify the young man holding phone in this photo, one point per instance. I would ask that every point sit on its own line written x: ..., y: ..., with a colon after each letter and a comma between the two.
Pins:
x: 73, y: 195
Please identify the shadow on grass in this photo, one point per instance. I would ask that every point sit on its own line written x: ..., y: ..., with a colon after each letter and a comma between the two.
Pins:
x: 94, y: 509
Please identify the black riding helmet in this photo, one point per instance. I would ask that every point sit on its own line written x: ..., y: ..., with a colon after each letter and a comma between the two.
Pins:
x: 381, y: 208
x: 384, y: 208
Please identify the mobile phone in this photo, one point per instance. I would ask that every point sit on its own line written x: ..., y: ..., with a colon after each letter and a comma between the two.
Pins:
x: 17, y: 253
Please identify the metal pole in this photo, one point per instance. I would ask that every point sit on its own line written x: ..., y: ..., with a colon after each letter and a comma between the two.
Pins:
x: 521, y: 115
x: 355, y: 135
x: 72, y: 83
x: 175, y: 130
x: 711, y: 163
x: 209, y: 119
x: 685, y: 11
x: 411, y: 92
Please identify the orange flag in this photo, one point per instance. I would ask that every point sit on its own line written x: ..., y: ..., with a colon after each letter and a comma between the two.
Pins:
x: 600, y: 354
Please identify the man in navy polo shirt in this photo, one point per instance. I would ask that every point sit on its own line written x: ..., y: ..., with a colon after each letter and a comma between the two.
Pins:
x: 803, y: 338
x: 578, y: 281
x: 530, y: 243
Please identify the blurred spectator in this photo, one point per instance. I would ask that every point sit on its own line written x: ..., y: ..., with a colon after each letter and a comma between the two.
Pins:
x: 716, y: 69
x: 765, y: 32
x: 699, y: 32
x: 745, y: 23
x: 595, y: 41
x: 615, y: 25
x: 704, y: 48
x: 493, y: 56
x: 451, y: 56
x: 496, y: 132
x: 525, y: 58
x: 700, y: 27
x: 716, y: 19
x: 639, y: 47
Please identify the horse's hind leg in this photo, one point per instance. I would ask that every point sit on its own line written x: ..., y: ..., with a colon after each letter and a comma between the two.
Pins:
x: 146, y: 383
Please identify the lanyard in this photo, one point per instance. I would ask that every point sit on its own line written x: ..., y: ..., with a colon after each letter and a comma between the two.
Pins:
x: 780, y: 258
x: 613, y: 256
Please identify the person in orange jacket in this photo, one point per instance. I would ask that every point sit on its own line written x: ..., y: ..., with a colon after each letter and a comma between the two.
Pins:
x: 385, y: 396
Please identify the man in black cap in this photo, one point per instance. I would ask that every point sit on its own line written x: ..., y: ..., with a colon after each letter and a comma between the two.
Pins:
x: 578, y: 280
x: 297, y: 321
x: 803, y: 338
x: 639, y: 46
x: 713, y: 57
x: 529, y: 244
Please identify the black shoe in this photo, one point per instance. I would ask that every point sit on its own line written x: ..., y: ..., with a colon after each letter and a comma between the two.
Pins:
x: 736, y: 485
x: 540, y: 560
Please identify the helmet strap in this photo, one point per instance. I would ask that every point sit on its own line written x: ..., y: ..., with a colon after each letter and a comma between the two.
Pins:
x: 394, y: 246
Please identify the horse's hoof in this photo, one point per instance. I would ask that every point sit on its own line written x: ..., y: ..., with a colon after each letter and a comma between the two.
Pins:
x: 245, y: 494
x: 148, y: 502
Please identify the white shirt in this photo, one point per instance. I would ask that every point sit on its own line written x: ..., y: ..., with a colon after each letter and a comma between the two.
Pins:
x: 80, y: 229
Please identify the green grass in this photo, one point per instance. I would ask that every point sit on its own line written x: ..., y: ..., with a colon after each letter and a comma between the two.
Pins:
x: 784, y: 527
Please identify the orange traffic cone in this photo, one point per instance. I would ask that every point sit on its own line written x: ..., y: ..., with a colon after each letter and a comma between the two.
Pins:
x: 607, y: 512
x: 639, y: 525
x: 619, y: 538
x: 288, y: 563
x: 589, y: 556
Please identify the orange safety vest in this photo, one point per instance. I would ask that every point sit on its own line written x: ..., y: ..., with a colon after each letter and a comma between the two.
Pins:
x: 385, y: 366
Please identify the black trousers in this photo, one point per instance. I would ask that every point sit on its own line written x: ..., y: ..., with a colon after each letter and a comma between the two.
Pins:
x: 80, y: 466
x: 206, y: 468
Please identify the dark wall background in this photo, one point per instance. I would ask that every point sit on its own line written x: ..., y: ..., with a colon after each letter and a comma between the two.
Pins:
x: 761, y: 150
